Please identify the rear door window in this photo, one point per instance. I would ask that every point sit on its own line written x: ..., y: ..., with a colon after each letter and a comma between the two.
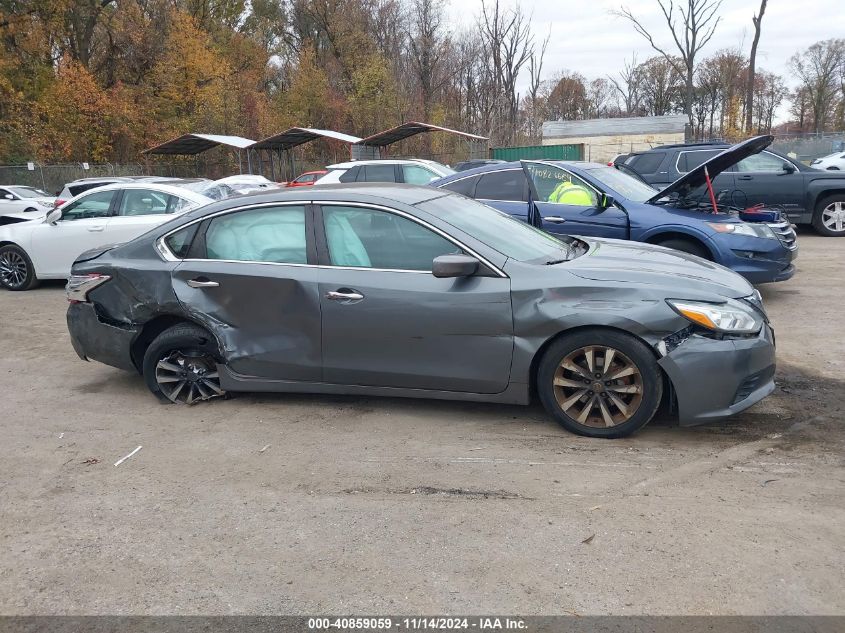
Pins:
x: 687, y: 161
x: 378, y: 173
x: 502, y: 185
x: 147, y: 202
x: 648, y: 163
x: 268, y: 234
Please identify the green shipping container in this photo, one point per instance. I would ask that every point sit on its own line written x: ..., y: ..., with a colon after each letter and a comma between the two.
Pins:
x: 547, y: 152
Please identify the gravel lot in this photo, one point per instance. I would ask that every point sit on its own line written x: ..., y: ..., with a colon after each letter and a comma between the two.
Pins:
x: 314, y: 504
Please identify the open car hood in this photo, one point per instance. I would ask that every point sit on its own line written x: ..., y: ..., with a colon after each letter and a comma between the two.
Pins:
x: 694, y: 179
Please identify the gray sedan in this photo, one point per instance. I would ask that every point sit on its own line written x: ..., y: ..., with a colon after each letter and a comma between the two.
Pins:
x: 415, y: 292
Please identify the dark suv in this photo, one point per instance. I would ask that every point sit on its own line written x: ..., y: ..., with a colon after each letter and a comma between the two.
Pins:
x: 806, y: 195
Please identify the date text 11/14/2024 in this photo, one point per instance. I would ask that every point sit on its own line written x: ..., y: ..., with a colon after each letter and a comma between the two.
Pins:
x: 480, y: 623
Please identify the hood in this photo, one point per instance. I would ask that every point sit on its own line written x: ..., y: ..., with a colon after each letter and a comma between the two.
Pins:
x: 24, y: 216
x: 683, y: 275
x: 694, y: 179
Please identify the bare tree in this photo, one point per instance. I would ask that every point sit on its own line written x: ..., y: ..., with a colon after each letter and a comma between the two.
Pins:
x: 509, y: 44
x: 427, y: 45
x: 628, y: 86
x: 819, y: 69
x: 698, y: 22
x: 752, y: 60
x: 535, y: 70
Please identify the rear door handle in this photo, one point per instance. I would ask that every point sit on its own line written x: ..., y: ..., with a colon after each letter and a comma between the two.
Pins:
x: 202, y: 282
x: 744, y: 177
x: 554, y: 219
x: 96, y: 229
x: 344, y: 294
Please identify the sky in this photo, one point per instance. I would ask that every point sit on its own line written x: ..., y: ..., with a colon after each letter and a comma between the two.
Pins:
x: 587, y: 38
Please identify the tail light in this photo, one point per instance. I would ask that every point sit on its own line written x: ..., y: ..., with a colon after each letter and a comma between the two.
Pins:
x: 58, y: 202
x: 78, y: 286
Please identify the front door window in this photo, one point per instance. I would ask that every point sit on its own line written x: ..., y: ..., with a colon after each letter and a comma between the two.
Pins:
x: 369, y: 238
x: 556, y: 185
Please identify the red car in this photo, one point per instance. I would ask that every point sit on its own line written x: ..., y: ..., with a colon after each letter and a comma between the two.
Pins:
x: 307, y: 179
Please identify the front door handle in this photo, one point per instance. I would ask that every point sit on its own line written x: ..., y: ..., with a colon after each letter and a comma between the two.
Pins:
x: 202, y: 282
x: 554, y: 219
x: 96, y: 229
x: 344, y: 294
x: 744, y: 177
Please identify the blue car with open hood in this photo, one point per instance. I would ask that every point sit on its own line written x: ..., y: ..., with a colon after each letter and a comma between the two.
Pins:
x: 593, y: 200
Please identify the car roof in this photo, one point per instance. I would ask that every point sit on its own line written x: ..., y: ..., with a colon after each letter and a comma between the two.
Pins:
x: 578, y: 164
x: 110, y: 179
x: 155, y: 186
x: 367, y: 192
x: 381, y: 161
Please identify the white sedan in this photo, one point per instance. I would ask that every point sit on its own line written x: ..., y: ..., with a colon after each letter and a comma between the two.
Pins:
x: 835, y: 161
x: 21, y: 201
x: 46, y: 248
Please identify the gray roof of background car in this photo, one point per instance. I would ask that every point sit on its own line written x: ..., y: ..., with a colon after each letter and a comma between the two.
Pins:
x: 372, y: 192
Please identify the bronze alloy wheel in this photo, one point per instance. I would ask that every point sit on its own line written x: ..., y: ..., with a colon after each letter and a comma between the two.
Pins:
x: 598, y: 386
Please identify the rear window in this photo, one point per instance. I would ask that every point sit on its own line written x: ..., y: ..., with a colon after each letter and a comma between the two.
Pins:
x: 350, y: 175
x: 647, y: 163
x: 77, y: 189
x: 687, y: 161
x: 464, y: 186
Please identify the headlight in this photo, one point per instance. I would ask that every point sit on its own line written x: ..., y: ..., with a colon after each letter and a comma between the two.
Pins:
x: 743, y: 228
x: 731, y: 317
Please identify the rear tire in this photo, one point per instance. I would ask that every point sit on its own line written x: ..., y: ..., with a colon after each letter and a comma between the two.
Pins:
x: 16, y: 269
x: 829, y: 218
x: 180, y: 365
x: 600, y: 383
x: 686, y: 246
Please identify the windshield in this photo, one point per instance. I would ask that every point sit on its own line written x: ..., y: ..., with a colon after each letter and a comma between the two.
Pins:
x: 28, y: 192
x: 623, y: 184
x: 498, y: 230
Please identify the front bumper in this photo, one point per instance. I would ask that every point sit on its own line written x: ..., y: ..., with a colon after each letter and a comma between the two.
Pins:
x: 93, y: 339
x: 759, y: 260
x: 715, y: 379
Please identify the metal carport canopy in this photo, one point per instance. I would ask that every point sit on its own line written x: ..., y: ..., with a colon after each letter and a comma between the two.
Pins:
x: 412, y: 128
x: 298, y: 136
x: 190, y: 144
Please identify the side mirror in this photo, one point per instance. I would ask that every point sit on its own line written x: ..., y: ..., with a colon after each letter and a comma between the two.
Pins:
x: 454, y: 266
x: 606, y: 201
x: 9, y: 196
x: 53, y: 216
x: 789, y: 168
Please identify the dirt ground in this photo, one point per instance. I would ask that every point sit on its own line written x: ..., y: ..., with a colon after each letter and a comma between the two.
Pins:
x: 312, y: 504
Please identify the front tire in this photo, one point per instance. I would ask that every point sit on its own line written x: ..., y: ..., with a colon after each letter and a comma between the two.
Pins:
x: 829, y: 218
x: 16, y: 269
x: 600, y: 383
x: 180, y: 365
x: 686, y: 246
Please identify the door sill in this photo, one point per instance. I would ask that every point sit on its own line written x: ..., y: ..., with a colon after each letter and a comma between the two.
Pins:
x: 514, y: 393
